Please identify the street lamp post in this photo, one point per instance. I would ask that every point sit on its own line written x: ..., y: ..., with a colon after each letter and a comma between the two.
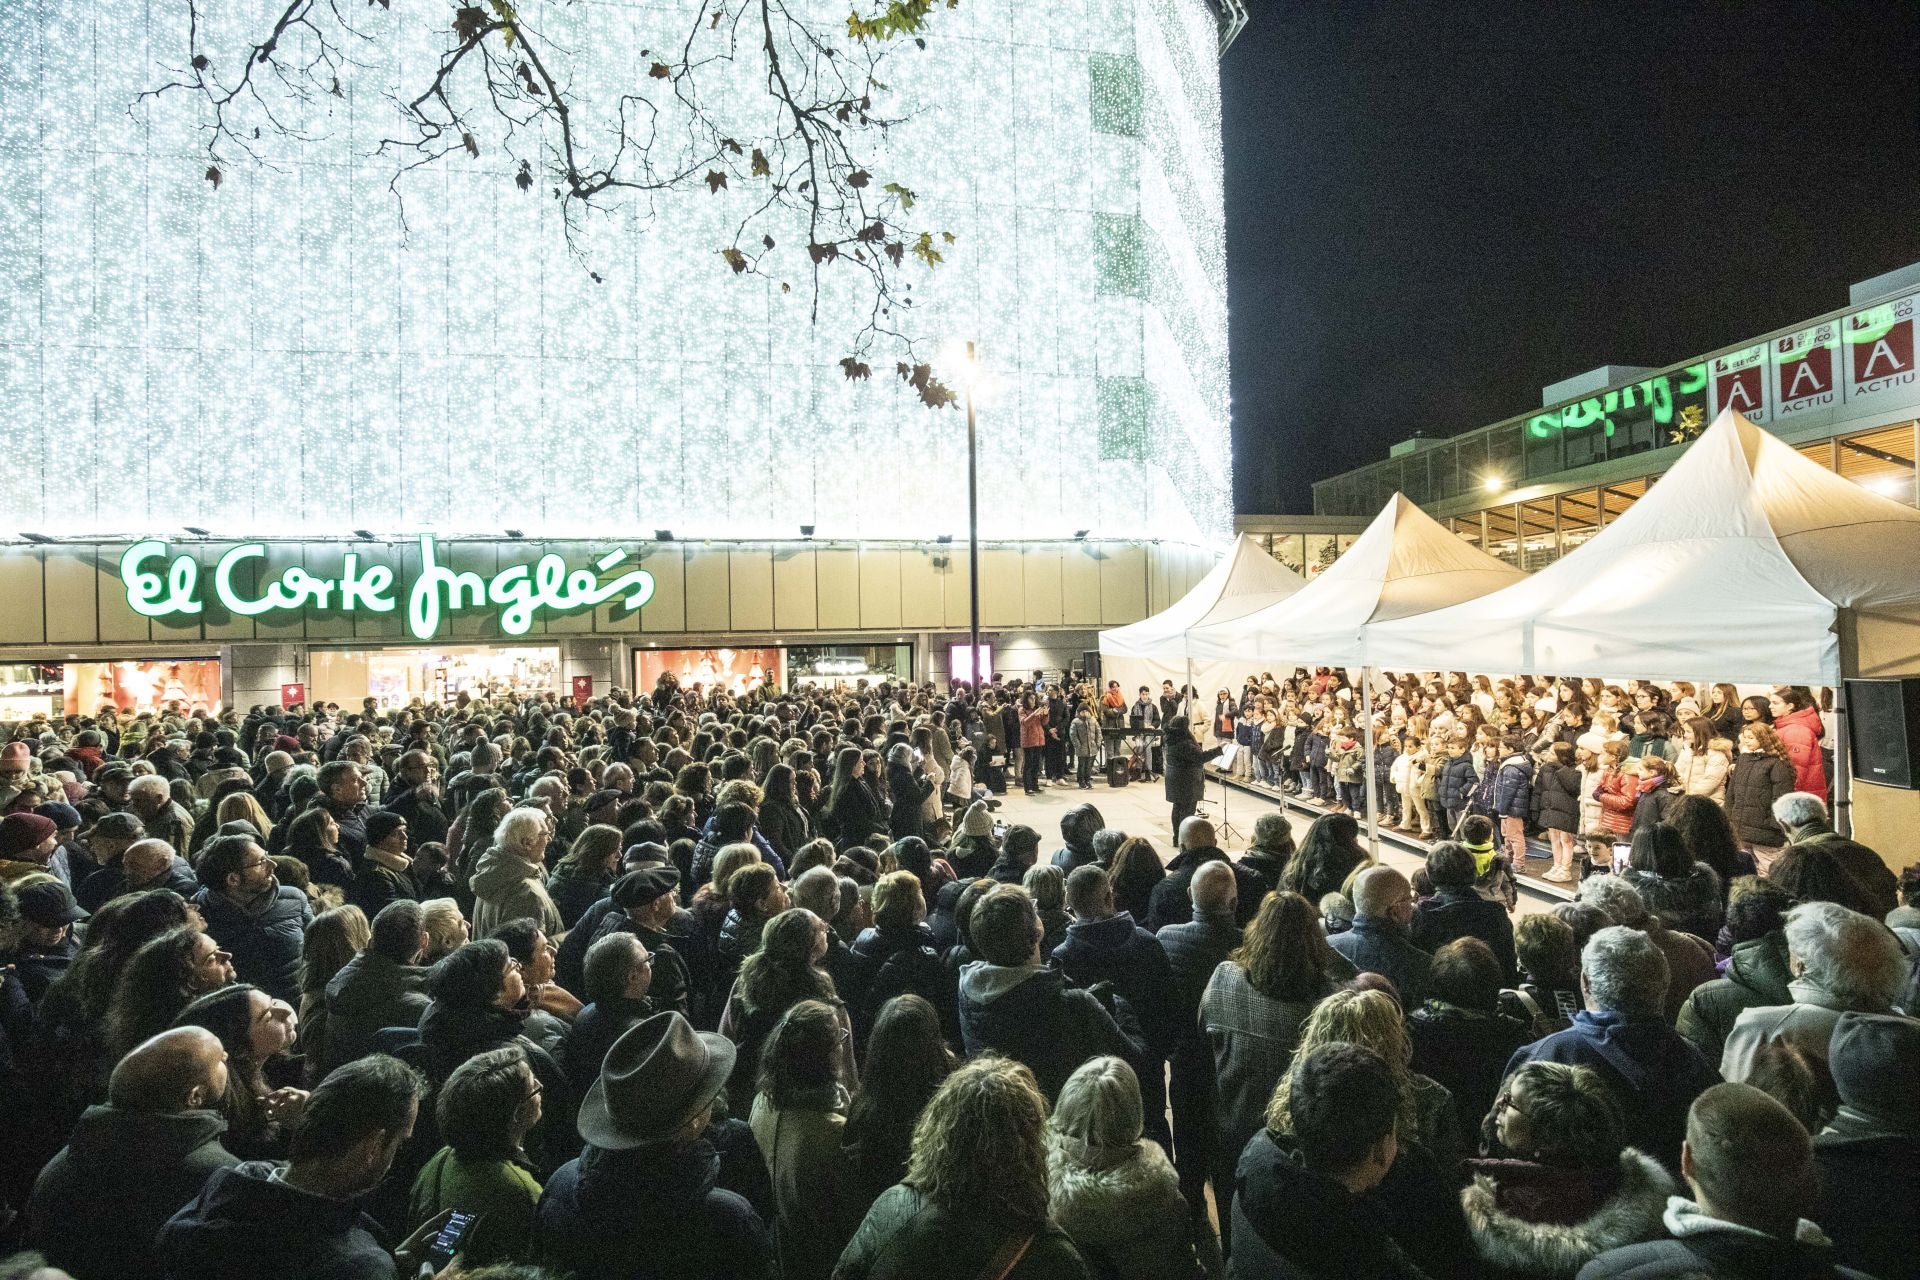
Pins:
x: 973, y: 533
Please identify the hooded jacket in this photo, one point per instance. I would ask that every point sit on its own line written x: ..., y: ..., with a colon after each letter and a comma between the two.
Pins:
x: 1879, y: 887
x: 508, y: 887
x: 1543, y: 1245
x: 1032, y: 1016
x: 265, y: 936
x: 247, y: 1223
x: 894, y: 962
x: 1513, y: 786
x: 100, y: 1201
x: 1127, y: 1218
x: 1703, y: 1248
x: 1704, y: 773
x: 1757, y: 974
x: 1453, y: 913
x: 649, y: 1214
x: 1457, y: 779
x: 370, y: 992
x: 1556, y: 797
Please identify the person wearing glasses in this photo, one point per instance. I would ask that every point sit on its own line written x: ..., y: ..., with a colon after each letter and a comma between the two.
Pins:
x: 251, y: 914
x: 485, y: 1111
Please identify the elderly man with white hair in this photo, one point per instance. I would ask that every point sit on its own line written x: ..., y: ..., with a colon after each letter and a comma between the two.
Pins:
x: 1622, y: 1033
x: 1842, y: 962
x: 510, y: 882
x: 1803, y: 816
x: 150, y: 799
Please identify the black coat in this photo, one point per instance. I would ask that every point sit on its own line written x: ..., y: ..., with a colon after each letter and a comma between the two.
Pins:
x: 1290, y: 1223
x: 427, y: 821
x: 1869, y: 1184
x: 246, y: 1223
x: 1466, y: 1051
x: 1461, y: 913
x: 909, y: 792
x: 1556, y: 797
x: 98, y: 1204
x: 265, y: 943
x: 896, y: 962
x: 1753, y: 784
x: 1118, y: 951
x: 1172, y: 899
x: 856, y: 816
x: 1185, y: 762
x: 1033, y: 1016
x: 651, y: 1213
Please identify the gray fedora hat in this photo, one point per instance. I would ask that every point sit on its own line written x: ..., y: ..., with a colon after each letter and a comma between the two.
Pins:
x: 657, y: 1076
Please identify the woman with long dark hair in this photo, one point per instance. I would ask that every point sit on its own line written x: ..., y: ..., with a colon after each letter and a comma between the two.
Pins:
x: 1328, y: 854
x: 853, y: 811
x: 254, y: 1029
x: 1252, y: 1011
x: 164, y: 977
x: 906, y: 1060
x: 799, y: 1116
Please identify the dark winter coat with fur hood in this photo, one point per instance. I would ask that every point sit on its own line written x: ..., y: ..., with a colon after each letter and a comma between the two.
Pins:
x: 1515, y: 1242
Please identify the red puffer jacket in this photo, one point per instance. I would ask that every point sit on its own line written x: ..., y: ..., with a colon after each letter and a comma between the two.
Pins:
x: 1618, y: 792
x: 1800, y: 731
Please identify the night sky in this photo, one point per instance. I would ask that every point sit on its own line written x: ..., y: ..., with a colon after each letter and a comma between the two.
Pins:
x: 1433, y: 210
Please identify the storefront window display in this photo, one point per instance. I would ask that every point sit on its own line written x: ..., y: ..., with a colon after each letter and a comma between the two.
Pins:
x: 396, y: 677
x: 191, y: 686
x: 834, y: 664
x: 30, y: 689
x: 736, y: 670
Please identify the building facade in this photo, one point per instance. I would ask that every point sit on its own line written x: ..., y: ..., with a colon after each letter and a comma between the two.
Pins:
x: 1842, y: 388
x: 201, y: 621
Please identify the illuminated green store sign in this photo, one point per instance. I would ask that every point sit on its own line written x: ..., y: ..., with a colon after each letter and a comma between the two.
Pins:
x: 517, y: 592
x: 1673, y: 404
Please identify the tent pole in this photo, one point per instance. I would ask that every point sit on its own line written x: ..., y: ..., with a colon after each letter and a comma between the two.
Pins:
x: 1842, y: 765
x: 1366, y: 713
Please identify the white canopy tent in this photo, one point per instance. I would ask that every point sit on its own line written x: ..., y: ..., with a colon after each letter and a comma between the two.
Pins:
x: 1405, y: 563
x: 1247, y: 579
x: 1734, y: 567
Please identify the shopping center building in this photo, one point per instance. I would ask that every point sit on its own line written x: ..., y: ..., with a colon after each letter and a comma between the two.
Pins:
x: 266, y: 433
x: 1842, y: 388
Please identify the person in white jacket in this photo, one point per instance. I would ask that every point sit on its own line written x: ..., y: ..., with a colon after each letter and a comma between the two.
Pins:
x: 1701, y: 767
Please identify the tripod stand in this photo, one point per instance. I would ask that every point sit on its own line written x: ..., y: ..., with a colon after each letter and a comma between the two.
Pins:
x: 1224, y: 830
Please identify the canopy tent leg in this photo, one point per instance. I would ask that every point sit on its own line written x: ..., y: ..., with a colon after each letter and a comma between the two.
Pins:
x: 1842, y: 765
x: 1371, y: 783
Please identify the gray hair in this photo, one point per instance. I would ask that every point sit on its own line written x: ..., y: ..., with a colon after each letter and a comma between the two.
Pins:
x: 1624, y: 972
x: 818, y: 890
x: 1097, y: 1122
x: 520, y: 830
x: 149, y: 782
x: 1213, y: 887
x: 900, y: 753
x: 1846, y: 954
x: 1798, y: 808
x: 277, y: 761
x: 1196, y: 833
x: 1613, y: 895
x: 1375, y: 887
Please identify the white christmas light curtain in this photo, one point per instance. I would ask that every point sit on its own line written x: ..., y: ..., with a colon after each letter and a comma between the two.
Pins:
x: 280, y: 354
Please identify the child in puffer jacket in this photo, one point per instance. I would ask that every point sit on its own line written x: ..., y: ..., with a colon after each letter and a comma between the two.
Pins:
x: 1347, y: 761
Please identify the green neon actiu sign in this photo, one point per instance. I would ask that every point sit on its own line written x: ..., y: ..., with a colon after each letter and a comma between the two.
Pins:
x: 518, y: 592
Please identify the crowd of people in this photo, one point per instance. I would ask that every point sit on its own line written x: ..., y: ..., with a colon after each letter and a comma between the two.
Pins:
x: 1580, y: 764
x: 683, y: 984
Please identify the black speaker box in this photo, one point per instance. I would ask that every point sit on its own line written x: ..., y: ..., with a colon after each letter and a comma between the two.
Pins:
x: 1883, y: 719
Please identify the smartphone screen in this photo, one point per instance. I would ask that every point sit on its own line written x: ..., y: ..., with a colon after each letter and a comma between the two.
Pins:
x: 447, y: 1242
